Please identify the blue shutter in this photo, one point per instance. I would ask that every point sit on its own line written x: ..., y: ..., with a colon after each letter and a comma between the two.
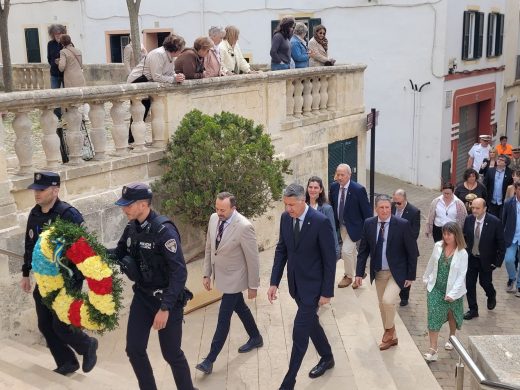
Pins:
x: 479, y: 34
x: 499, y: 35
x: 489, y: 41
x: 465, y: 35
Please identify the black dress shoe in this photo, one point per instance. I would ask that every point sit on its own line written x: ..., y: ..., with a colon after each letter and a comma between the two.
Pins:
x: 251, y: 344
x: 470, y: 315
x: 205, y: 366
x: 67, y: 368
x: 491, y: 303
x: 322, y: 366
x: 90, y: 358
x: 404, y: 302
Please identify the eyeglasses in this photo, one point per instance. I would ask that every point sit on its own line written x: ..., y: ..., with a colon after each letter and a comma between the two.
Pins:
x: 397, y: 203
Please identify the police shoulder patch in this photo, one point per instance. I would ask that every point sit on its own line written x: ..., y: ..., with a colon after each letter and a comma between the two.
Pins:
x: 171, y: 245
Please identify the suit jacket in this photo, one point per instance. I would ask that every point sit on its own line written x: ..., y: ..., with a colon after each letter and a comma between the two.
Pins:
x: 489, y: 182
x: 311, y: 264
x: 235, y: 265
x: 491, y: 246
x: 356, y: 210
x: 509, y: 221
x: 413, y: 215
x: 401, y: 250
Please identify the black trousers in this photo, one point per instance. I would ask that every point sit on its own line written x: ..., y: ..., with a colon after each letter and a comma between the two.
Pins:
x: 306, y: 325
x: 146, y: 103
x: 405, y: 293
x: 485, y: 278
x: 231, y: 303
x: 495, y: 209
x: 62, y: 339
x: 436, y: 233
x: 142, y: 313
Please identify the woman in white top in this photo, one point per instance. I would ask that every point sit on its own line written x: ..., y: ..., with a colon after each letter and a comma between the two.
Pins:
x: 445, y: 279
x: 445, y: 208
x: 230, y: 54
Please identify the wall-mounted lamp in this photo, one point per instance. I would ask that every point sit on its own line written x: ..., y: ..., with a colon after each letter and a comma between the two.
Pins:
x: 452, y: 65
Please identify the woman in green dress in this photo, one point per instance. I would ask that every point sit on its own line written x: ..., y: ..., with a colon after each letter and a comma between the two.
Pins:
x: 445, y: 279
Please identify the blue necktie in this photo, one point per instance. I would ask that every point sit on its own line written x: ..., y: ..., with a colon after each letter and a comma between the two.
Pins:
x: 378, y: 260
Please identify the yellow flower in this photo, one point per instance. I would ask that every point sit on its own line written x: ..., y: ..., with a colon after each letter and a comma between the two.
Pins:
x: 94, y: 268
x: 104, y: 303
x: 48, y: 284
x: 61, y: 306
x: 45, y: 244
x: 85, y: 319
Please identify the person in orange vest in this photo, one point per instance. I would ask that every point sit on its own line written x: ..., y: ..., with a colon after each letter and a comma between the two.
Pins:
x: 504, y: 148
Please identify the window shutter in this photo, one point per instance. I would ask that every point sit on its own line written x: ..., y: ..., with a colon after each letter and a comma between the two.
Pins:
x: 32, y: 44
x: 465, y: 36
x: 479, y: 34
x: 313, y: 22
x: 490, y: 32
x: 499, y: 35
x: 274, y: 24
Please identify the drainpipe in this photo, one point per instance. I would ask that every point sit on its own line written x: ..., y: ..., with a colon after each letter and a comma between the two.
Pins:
x: 416, y: 129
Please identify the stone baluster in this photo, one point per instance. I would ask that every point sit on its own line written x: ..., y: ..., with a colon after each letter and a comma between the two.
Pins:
x: 97, y: 133
x: 25, y: 78
x: 290, y: 97
x: 315, y: 94
x: 332, y: 92
x: 159, y: 135
x: 298, y: 98
x: 32, y: 81
x: 23, y: 146
x: 16, y: 79
x: 119, y: 128
x: 138, y: 127
x: 307, y: 96
x: 50, y: 140
x: 74, y: 136
x: 324, y: 93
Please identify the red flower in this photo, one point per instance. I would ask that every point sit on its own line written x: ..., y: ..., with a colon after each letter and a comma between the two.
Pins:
x: 101, y: 287
x: 74, y: 313
x: 79, y: 251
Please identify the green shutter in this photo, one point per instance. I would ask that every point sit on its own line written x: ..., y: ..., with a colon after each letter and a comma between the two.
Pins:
x: 32, y: 44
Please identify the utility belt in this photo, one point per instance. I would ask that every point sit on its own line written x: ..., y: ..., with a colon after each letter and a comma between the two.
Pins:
x: 157, y: 293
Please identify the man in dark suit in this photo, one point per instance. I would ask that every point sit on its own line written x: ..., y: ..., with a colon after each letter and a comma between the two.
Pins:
x: 496, y: 181
x: 393, y: 261
x: 484, y: 237
x: 306, y: 245
x: 403, y: 209
x: 511, y: 224
x: 349, y: 201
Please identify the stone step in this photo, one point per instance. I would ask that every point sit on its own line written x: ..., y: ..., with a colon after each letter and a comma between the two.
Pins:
x: 40, y: 360
x: 32, y: 376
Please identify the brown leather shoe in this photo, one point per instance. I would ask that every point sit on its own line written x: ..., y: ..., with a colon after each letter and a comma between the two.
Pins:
x: 354, y: 285
x: 386, y: 345
x: 345, y: 282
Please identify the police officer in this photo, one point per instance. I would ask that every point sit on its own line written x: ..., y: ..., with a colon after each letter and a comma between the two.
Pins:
x: 150, y: 253
x: 62, y: 339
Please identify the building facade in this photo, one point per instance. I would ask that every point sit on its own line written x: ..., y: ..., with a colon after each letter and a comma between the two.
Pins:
x: 435, y: 68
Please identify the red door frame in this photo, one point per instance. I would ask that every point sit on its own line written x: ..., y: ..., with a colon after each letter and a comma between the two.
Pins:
x: 483, y: 94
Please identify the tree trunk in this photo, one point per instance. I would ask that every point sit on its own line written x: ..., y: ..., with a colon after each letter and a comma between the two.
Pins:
x: 133, y: 13
x: 7, y: 69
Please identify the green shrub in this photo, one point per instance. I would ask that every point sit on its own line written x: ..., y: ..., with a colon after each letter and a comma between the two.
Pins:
x: 224, y: 152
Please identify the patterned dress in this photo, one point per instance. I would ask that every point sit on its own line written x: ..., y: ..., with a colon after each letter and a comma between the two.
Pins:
x: 438, y: 308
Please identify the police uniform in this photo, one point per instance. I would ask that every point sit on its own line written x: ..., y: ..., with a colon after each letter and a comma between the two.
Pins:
x: 154, y: 245
x: 61, y: 338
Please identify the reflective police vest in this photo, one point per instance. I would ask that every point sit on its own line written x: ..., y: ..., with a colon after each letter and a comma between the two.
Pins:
x: 153, y: 267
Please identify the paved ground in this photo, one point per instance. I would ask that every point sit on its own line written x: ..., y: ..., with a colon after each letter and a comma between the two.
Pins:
x: 503, y: 320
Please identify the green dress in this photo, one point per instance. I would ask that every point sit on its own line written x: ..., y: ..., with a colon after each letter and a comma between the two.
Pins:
x: 438, y: 308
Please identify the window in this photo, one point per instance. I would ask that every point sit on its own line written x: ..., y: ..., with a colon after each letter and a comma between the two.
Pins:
x: 472, y: 35
x: 495, y: 35
x: 32, y: 45
x: 117, y: 45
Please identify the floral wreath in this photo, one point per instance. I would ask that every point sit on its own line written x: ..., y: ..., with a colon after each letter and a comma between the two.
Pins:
x: 61, y: 246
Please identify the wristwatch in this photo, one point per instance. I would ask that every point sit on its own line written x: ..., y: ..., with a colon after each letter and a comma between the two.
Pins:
x: 164, y: 307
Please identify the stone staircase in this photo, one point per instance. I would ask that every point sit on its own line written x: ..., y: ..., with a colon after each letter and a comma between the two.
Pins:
x: 30, y: 367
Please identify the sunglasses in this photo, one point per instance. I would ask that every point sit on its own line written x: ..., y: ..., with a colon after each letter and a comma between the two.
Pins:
x: 397, y: 203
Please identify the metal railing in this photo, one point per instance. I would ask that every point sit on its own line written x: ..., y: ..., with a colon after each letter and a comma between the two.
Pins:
x: 11, y: 254
x: 465, y: 359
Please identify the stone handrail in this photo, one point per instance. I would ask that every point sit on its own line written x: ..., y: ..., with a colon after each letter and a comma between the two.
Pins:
x: 306, y: 92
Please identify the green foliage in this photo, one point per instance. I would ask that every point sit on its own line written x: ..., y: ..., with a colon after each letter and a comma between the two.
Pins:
x: 224, y: 152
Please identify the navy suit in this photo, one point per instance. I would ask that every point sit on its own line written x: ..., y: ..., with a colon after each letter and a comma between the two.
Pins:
x: 413, y: 215
x: 489, y: 183
x: 357, y: 208
x: 401, y: 250
x: 509, y: 220
x: 311, y: 265
x: 491, y: 250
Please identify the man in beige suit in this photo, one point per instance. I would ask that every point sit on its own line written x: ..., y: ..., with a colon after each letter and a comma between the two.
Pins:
x: 232, y: 258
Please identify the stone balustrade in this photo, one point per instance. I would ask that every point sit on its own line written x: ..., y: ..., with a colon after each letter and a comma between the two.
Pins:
x: 31, y: 76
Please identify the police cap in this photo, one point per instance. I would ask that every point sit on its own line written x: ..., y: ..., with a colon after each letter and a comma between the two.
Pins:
x: 133, y: 192
x: 44, y: 179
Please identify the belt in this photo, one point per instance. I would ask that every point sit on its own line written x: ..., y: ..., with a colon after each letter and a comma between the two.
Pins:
x: 157, y: 293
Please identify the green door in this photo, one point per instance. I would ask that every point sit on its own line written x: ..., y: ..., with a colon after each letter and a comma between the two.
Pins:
x: 32, y: 44
x: 343, y: 152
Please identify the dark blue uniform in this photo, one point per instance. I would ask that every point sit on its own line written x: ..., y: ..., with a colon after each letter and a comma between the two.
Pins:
x: 155, y: 245
x: 61, y: 338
